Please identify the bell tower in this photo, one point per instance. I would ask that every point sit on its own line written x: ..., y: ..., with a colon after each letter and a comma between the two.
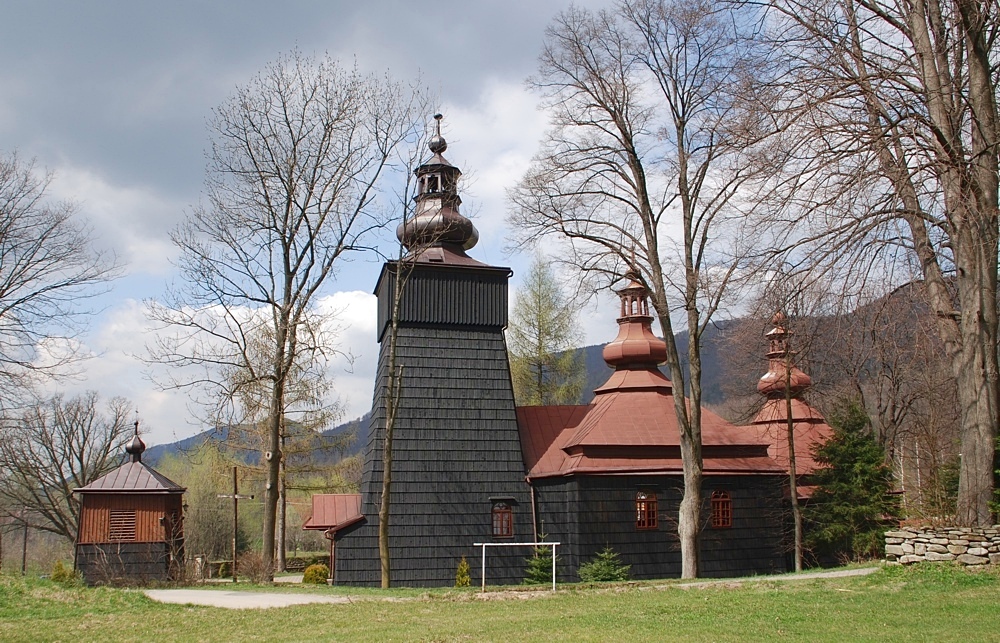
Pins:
x: 457, y: 470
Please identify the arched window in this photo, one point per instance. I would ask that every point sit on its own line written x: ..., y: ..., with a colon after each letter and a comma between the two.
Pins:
x: 503, y: 520
x: 645, y: 510
x: 722, y: 510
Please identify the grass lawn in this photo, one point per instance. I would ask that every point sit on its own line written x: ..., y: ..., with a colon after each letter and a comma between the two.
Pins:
x: 929, y: 602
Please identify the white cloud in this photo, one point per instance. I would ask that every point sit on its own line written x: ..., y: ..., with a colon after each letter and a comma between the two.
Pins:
x: 132, y: 220
x: 493, y: 141
x: 123, y: 332
x: 352, y: 316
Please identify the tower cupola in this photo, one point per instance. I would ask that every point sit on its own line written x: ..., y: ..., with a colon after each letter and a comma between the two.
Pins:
x: 136, y: 446
x: 436, y: 220
x: 781, y: 370
x: 636, y: 346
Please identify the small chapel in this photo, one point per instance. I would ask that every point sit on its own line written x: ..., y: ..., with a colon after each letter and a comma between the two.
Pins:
x: 131, y: 524
x: 468, y: 466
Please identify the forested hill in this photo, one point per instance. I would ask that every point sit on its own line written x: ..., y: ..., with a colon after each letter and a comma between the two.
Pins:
x: 597, y: 373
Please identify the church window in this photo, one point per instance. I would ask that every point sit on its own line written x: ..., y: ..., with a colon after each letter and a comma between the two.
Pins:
x: 722, y: 510
x: 645, y: 510
x: 503, y: 520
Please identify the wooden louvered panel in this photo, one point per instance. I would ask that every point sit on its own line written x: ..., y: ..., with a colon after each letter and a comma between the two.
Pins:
x: 122, y: 525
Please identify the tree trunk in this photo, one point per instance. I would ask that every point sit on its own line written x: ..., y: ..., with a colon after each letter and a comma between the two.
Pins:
x: 975, y: 369
x: 272, y: 456
x: 689, y: 513
x: 793, y: 483
x: 282, y: 518
x: 392, y: 391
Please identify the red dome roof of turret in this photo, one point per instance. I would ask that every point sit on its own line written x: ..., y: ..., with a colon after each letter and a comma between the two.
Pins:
x: 636, y: 345
x: 781, y: 370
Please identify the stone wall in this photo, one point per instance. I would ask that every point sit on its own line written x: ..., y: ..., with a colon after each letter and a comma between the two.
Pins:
x: 969, y: 546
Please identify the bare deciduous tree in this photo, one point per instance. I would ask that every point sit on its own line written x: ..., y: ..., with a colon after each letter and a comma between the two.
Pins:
x: 293, y: 181
x: 48, y: 267
x: 54, y: 447
x: 641, y: 170
x: 307, y: 412
x: 892, y: 166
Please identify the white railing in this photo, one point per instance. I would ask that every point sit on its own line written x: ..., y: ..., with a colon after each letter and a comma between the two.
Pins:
x: 552, y: 545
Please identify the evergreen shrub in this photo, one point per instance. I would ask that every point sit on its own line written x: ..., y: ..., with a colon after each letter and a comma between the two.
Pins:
x: 316, y: 574
x: 463, y: 578
x: 604, y: 566
x: 539, y: 570
x: 63, y: 574
x: 852, y: 507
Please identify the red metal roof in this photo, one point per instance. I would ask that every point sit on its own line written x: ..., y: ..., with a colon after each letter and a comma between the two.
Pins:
x: 132, y: 477
x: 811, y: 430
x: 334, y: 511
x: 632, y: 430
x: 631, y: 426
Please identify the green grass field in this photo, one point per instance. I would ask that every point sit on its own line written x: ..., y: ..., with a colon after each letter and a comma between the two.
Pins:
x: 924, y: 603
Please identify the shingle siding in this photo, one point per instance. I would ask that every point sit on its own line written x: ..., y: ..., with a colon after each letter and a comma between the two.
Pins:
x: 587, y: 513
x: 455, y: 444
x: 116, y: 562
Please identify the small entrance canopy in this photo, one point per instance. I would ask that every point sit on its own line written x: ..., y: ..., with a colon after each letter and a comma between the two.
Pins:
x: 331, y: 512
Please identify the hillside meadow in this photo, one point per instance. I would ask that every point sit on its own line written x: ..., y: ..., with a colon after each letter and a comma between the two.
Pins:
x: 930, y: 602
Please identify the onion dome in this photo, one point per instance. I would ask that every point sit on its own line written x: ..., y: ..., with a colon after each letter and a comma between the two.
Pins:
x: 636, y: 346
x: 780, y: 367
x: 437, y: 221
x: 136, y: 446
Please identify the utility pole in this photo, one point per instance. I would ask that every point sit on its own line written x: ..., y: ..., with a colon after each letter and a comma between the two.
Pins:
x: 235, y: 495
x: 24, y: 544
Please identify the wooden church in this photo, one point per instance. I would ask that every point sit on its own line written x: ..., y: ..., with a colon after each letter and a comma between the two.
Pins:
x: 469, y: 467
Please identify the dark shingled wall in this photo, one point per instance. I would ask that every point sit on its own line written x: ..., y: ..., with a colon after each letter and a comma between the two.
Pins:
x: 587, y: 513
x: 115, y: 562
x: 456, y: 443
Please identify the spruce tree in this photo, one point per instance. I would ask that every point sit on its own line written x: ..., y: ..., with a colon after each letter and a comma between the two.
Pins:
x: 852, y: 507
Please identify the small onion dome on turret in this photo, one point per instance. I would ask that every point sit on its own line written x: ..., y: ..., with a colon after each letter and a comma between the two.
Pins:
x: 437, y: 221
x: 780, y: 368
x: 136, y: 447
x: 636, y: 346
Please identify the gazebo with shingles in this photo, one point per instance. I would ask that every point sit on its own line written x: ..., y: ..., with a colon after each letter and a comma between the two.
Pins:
x: 131, y: 524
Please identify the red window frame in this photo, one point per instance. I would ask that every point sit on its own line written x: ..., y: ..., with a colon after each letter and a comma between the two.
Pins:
x: 503, y: 520
x: 645, y: 510
x: 722, y: 510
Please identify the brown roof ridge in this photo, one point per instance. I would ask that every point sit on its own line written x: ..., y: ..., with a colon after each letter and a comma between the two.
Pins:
x: 132, y: 477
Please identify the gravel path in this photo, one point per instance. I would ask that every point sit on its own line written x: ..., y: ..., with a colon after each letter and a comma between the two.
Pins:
x: 262, y: 600
x: 238, y: 600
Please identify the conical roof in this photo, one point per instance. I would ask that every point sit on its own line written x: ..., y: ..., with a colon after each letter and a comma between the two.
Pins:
x: 631, y: 426
x: 809, y: 426
x: 134, y: 476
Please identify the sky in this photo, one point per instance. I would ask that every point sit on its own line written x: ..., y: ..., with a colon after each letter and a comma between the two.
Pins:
x: 113, y: 99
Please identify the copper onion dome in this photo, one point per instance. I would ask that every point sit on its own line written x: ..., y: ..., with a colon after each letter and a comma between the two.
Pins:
x: 136, y: 446
x: 780, y: 367
x: 437, y: 221
x: 636, y: 345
